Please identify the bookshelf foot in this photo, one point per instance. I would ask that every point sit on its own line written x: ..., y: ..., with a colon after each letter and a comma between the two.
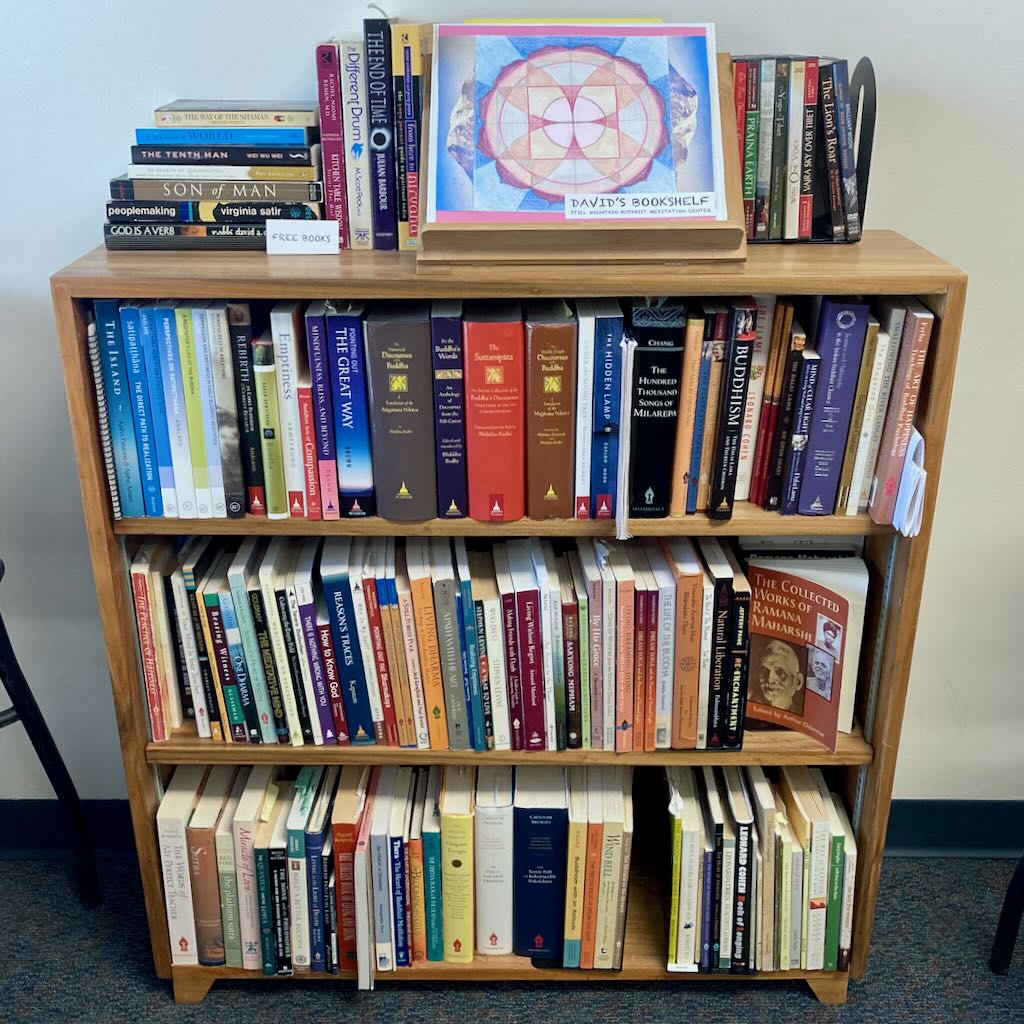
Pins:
x: 191, y: 986
x: 831, y: 989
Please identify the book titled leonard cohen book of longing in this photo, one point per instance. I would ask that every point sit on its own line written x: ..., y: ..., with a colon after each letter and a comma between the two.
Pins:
x: 549, y: 122
x: 798, y: 642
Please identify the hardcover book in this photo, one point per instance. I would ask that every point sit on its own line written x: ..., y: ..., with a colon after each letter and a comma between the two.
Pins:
x: 449, y: 408
x: 329, y: 90
x: 381, y: 141
x: 604, y: 453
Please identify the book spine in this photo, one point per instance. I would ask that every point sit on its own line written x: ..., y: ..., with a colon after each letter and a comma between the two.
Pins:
x: 571, y: 661
x: 665, y: 645
x: 298, y: 896
x: 604, y: 455
x: 103, y: 420
x: 608, y: 886
x: 152, y: 358
x: 625, y: 645
x: 323, y: 415
x: 343, y: 847
x: 147, y: 648
x: 753, y: 410
x: 719, y: 689
x: 320, y: 698
x: 119, y: 409
x: 456, y: 709
x: 208, y: 407
x: 357, y: 157
x: 493, y: 861
x: 483, y: 668
x: 430, y: 662
x: 138, y: 391
x: 228, y: 886
x: 539, y: 860
x: 794, y: 149
x: 222, y: 366
x: 779, y: 446
x: 351, y: 416
x: 292, y: 640
x: 198, y: 135
x: 700, y: 415
x: 197, y: 619
x: 582, y: 508
x: 174, y: 189
x: 178, y: 115
x: 449, y: 416
x: 834, y: 913
x: 742, y: 924
x: 591, y: 882
x: 240, y: 326
x: 651, y: 683
x: 332, y: 145
x: 229, y: 154
x: 457, y: 876
x: 409, y: 117
x: 596, y: 660
x: 384, y: 676
x: 174, y: 402
x: 432, y: 894
x: 280, y: 669
x: 707, y: 911
x: 215, y: 173
x: 583, y: 648
x: 492, y: 630
x: 572, y: 928
x: 387, y: 596
x: 193, y: 412
x: 190, y: 651
x: 688, y: 385
x: 399, y: 884
x: 777, y: 200
x: 333, y: 683
x: 350, y: 665
x: 860, y: 481
x: 380, y: 98
x: 720, y: 337
x: 732, y: 409
x: 409, y: 643
x: 397, y: 86
x: 766, y: 111
x: 830, y: 138
x: 286, y: 363
x: 639, y: 681
x: 737, y: 669
x: 471, y: 643
x: 739, y: 80
x: 417, y: 899
x: 156, y: 211
x: 796, y: 447
x: 810, y: 127
x: 271, y: 674
x: 236, y: 711
x: 278, y: 861
x: 181, y: 928
x: 315, y: 880
x: 308, y: 441
x: 252, y: 659
x: 531, y: 672
x: 513, y: 671
x: 751, y: 132
x: 265, y: 906
x: 847, y: 157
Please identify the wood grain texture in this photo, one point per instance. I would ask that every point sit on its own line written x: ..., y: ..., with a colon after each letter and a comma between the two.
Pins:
x: 884, y: 262
x: 764, y: 748
x: 747, y: 520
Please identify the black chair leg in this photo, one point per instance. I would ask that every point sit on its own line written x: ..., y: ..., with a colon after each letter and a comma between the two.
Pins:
x: 1009, y: 922
x: 27, y: 710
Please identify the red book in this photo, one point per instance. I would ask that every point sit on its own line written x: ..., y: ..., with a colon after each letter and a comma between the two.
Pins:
x: 640, y: 665
x: 739, y: 93
x: 651, y: 689
x: 493, y: 353
x: 323, y: 629
x: 807, y: 152
x: 353, y: 803
x: 529, y: 636
x: 509, y: 623
x: 310, y: 466
x: 380, y: 656
x: 140, y: 592
x: 332, y: 144
x: 625, y: 640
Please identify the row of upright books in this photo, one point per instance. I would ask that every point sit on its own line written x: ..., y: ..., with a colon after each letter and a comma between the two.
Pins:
x: 795, y: 133
x: 413, y: 411
x: 763, y: 871
x: 362, y: 870
x: 518, y: 645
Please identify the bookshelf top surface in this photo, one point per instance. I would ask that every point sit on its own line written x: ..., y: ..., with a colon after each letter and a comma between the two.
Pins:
x: 883, y: 262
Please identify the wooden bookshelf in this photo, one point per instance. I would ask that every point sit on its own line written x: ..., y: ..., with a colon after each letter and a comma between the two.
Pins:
x: 884, y: 263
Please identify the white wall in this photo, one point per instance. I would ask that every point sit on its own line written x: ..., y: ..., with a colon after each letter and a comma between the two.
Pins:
x: 77, y: 77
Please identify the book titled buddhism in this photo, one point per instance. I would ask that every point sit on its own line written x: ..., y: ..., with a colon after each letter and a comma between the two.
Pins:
x: 492, y: 344
x: 550, y: 409
x: 806, y: 621
x: 401, y: 410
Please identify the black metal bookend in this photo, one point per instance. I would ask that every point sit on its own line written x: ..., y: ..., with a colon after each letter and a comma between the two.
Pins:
x: 24, y: 709
x: 1009, y: 922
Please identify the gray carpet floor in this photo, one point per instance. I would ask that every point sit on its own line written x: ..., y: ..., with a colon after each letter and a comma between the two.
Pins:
x: 933, y: 933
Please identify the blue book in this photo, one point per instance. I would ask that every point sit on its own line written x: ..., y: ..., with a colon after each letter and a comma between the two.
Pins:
x: 317, y: 829
x: 174, y: 405
x: 212, y: 136
x: 842, y: 330
x: 796, y: 449
x: 540, y: 828
x: 449, y: 408
x: 338, y: 595
x: 470, y: 642
x: 239, y: 666
x: 138, y: 386
x: 431, y: 837
x: 351, y: 409
x: 151, y: 356
x: 604, y: 452
x: 712, y: 317
x: 398, y: 887
x: 323, y: 414
x: 707, y: 908
x: 117, y: 390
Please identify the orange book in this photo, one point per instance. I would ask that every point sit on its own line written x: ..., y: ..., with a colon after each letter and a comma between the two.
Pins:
x: 692, y: 342
x: 651, y: 683
x: 394, y: 645
x: 414, y: 851
x: 426, y: 633
x: 592, y: 867
x: 689, y: 573
x: 346, y: 813
x: 625, y: 639
x: 642, y: 621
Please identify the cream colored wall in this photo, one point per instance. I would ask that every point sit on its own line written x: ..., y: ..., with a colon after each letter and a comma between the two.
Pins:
x: 76, y: 78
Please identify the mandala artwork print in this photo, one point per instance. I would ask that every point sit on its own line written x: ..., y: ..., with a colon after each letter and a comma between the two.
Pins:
x: 534, y: 122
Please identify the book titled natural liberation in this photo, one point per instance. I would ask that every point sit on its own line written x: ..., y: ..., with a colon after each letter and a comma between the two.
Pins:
x: 449, y: 408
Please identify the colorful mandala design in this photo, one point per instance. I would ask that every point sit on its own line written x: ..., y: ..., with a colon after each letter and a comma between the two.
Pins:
x: 572, y: 120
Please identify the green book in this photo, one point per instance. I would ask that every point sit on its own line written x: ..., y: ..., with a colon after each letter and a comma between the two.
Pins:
x: 307, y: 785
x: 219, y: 655
x: 194, y: 410
x: 227, y: 877
x: 432, y: 867
x: 268, y: 410
x: 836, y: 863
x: 677, y: 857
x: 583, y: 609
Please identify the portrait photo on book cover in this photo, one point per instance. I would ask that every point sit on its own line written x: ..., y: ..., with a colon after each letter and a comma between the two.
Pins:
x: 828, y: 635
x: 820, y: 666
x: 524, y: 116
x: 778, y: 671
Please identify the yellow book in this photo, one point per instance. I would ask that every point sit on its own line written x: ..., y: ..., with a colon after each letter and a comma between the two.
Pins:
x: 417, y: 894
x: 193, y: 410
x: 611, y: 867
x: 426, y: 633
x: 264, y: 376
x: 576, y: 859
x: 673, y: 907
x: 457, y: 864
x: 407, y: 76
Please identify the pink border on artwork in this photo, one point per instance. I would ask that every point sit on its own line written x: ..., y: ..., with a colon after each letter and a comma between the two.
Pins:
x: 540, y: 216
x: 573, y: 29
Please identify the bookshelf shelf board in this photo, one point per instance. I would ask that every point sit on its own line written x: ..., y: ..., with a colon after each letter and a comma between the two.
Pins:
x: 747, y: 521
x: 776, y: 747
x: 883, y: 262
x: 644, y: 959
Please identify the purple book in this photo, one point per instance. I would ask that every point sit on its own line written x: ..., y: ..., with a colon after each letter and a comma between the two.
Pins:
x: 842, y: 328
x: 449, y: 408
x: 323, y: 416
x: 796, y: 452
x: 381, y: 102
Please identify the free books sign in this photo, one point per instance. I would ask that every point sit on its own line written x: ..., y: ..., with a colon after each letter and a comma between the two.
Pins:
x: 290, y: 237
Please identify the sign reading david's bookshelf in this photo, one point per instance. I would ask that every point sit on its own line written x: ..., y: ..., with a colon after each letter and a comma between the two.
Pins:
x: 543, y: 131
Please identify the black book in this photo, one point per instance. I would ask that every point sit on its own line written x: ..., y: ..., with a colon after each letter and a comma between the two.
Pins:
x: 380, y: 97
x: 240, y: 325
x: 718, y: 701
x: 744, y: 918
x: 714, y: 817
x: 784, y: 423
x: 732, y: 405
x: 829, y: 219
x: 201, y: 568
x: 188, y: 708
x: 658, y: 329
x: 259, y: 621
x: 739, y: 653
x: 277, y: 857
x: 777, y: 197
x: 294, y: 669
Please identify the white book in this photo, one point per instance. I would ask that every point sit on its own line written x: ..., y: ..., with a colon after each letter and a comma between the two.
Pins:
x: 208, y: 400
x: 222, y: 363
x: 794, y: 148
x: 411, y: 650
x: 870, y: 424
x: 506, y: 588
x: 758, y: 887
x: 172, y: 818
x: 707, y: 627
x: 293, y: 584
x: 684, y: 804
x: 358, y: 556
x: 627, y: 855
x: 183, y: 614
x: 271, y: 575
x: 356, y: 133
x: 892, y: 317
x: 174, y: 403
x: 253, y: 808
x: 622, y: 495
x: 849, y: 884
x: 162, y: 564
x: 398, y: 846
x: 758, y: 365
x: 540, y: 568
x: 380, y: 867
x: 763, y: 803
x: 797, y: 901
x: 610, y: 876
x: 492, y: 860
x: 362, y: 883
x: 766, y: 124
x: 665, y: 582
x: 224, y: 843
x: 307, y: 788
x: 485, y: 590
x: 585, y: 330
x: 783, y: 843
x: 608, y: 646
x: 290, y: 360
x: 591, y: 584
